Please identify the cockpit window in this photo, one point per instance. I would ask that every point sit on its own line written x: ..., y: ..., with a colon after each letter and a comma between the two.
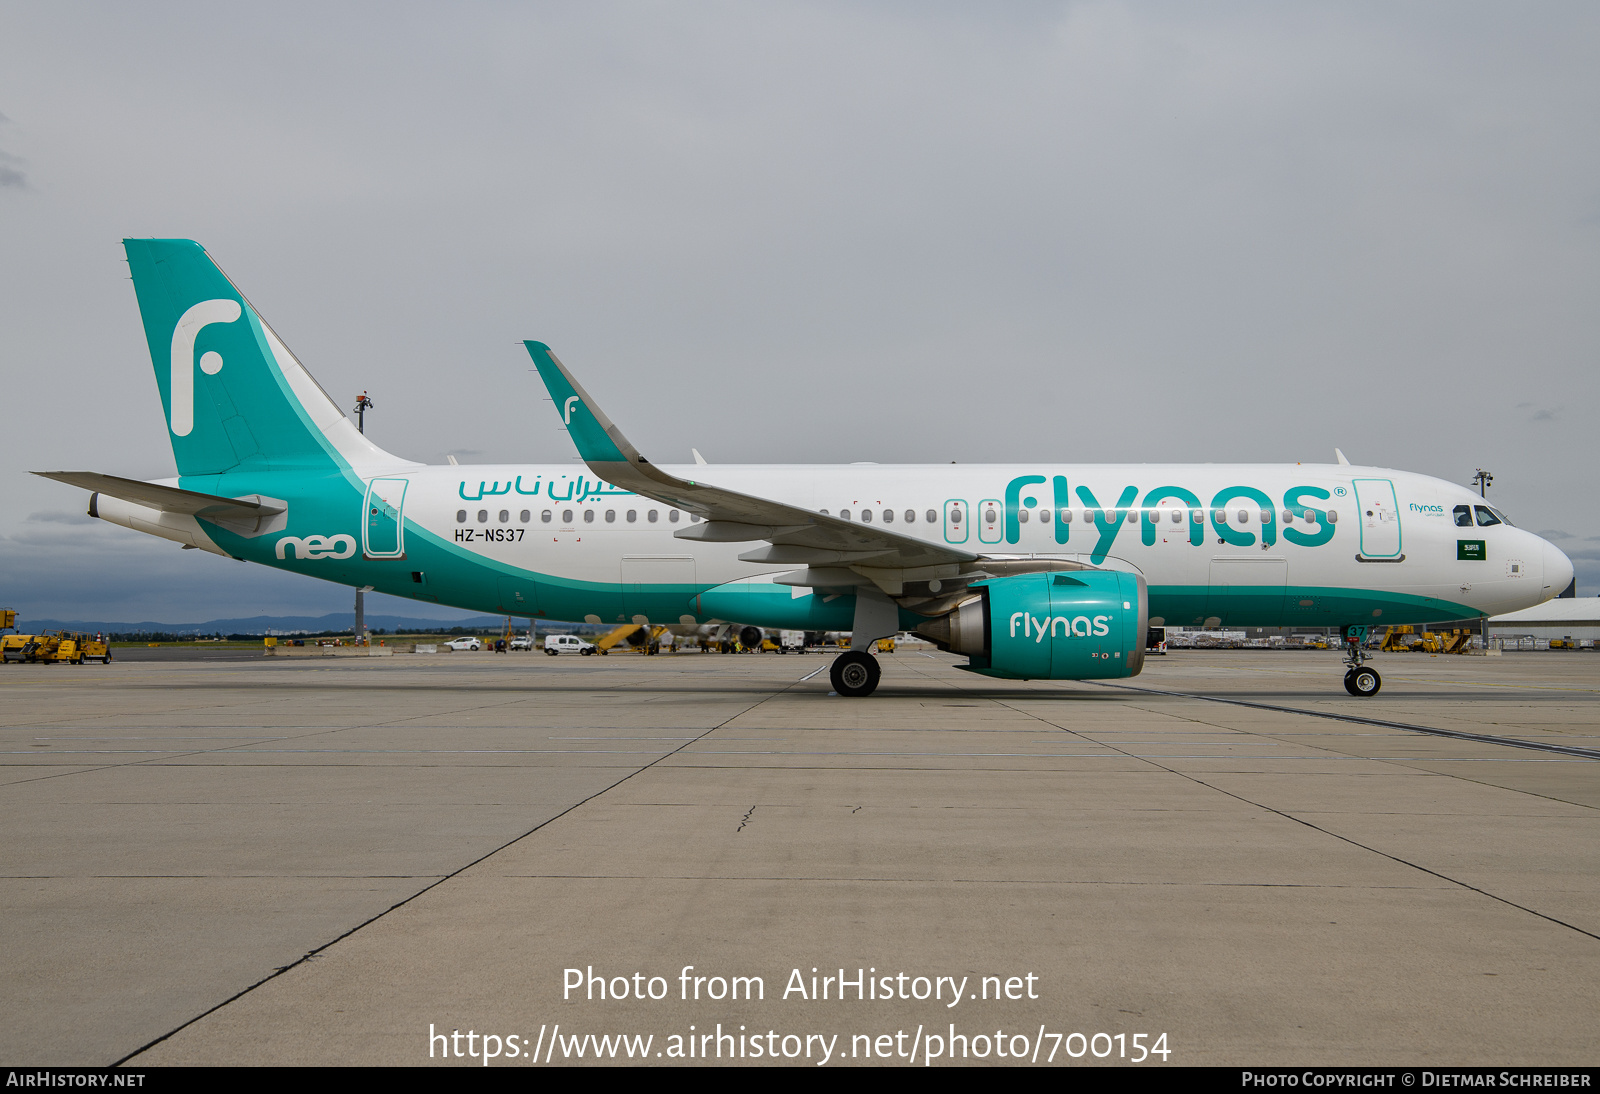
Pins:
x: 1503, y: 518
x: 1486, y: 516
x: 1463, y: 515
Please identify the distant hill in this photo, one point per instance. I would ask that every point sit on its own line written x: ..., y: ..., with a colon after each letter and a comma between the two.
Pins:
x: 262, y: 624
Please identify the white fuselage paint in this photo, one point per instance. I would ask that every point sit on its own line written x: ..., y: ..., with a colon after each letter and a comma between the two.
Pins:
x: 592, y: 550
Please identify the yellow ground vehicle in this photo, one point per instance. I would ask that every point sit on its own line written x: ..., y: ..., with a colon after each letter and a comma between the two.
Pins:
x: 54, y: 646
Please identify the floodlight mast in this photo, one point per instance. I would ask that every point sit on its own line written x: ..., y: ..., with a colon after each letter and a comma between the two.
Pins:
x: 363, y: 405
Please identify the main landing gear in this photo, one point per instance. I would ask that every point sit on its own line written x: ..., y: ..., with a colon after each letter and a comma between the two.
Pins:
x: 855, y: 673
x: 1359, y: 680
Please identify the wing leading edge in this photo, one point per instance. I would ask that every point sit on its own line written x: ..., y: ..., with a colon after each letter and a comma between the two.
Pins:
x: 838, y: 553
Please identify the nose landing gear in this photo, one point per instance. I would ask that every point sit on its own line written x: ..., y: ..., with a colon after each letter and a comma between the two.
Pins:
x: 1360, y: 681
x: 855, y: 673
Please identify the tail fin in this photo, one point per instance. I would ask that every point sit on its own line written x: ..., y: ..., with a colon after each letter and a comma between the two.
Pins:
x: 236, y: 398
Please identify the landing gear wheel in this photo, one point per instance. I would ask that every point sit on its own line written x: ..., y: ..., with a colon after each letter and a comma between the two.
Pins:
x: 855, y: 673
x: 1363, y: 683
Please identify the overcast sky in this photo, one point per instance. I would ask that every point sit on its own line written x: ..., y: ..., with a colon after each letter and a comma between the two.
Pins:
x: 811, y: 233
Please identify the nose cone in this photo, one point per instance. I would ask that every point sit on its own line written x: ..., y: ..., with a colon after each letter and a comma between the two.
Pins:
x: 1557, y: 569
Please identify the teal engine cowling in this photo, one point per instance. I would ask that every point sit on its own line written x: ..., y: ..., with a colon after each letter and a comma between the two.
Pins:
x: 1078, y: 625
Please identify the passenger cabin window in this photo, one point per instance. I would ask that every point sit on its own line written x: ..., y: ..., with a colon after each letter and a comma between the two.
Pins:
x: 1133, y: 516
x: 1177, y: 516
x: 911, y: 516
x: 1044, y: 516
x: 1022, y: 516
x: 633, y: 515
x: 888, y: 516
x: 866, y: 516
x: 1333, y: 516
x: 651, y: 517
x: 1288, y: 516
x: 955, y: 516
x: 525, y: 515
x: 672, y: 516
x: 1463, y: 516
x: 566, y: 516
x: 483, y: 516
x: 1244, y: 516
x: 545, y: 516
x: 461, y: 516
x: 1266, y: 516
x: 1066, y: 516
x: 588, y: 516
x: 844, y: 514
x: 505, y: 516
x: 1220, y: 516
x: 990, y: 515
x: 611, y: 516
x: 933, y: 517
x: 1486, y: 516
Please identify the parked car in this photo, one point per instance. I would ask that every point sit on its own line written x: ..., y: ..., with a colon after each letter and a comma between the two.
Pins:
x: 464, y: 644
x: 521, y: 642
x: 567, y: 643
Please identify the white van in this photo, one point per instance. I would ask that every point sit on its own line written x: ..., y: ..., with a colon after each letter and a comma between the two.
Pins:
x: 567, y: 643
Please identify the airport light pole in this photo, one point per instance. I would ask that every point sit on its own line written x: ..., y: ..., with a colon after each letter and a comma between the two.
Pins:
x: 363, y: 405
x: 1483, y: 479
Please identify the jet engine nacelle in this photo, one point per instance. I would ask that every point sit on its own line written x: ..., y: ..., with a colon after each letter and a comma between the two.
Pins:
x: 1082, y: 625
x: 751, y: 637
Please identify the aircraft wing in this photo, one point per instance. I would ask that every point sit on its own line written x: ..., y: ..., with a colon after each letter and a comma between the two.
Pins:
x: 839, y: 552
x: 249, y: 516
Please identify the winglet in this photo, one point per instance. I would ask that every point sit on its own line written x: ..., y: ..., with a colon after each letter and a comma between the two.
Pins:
x: 598, y: 440
x: 1340, y: 457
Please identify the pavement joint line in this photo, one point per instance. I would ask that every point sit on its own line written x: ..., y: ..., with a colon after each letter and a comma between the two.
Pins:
x: 1308, y: 824
x: 1479, y: 738
x: 238, y: 749
x: 308, y: 955
x: 1120, y: 882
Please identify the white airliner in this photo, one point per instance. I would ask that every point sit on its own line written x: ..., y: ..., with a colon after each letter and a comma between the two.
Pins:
x: 1030, y: 570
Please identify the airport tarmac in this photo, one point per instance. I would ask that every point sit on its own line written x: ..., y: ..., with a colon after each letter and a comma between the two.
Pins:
x: 258, y: 862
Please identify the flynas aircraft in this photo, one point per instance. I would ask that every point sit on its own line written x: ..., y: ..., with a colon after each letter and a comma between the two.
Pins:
x: 1030, y: 571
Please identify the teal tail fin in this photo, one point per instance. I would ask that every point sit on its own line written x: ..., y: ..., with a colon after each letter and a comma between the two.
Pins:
x: 236, y: 398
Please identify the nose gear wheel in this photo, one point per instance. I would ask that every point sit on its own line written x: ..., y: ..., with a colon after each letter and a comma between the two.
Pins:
x: 1362, y: 682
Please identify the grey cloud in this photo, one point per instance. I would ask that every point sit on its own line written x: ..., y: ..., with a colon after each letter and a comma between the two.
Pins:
x: 11, y: 176
x: 822, y: 233
x: 58, y: 516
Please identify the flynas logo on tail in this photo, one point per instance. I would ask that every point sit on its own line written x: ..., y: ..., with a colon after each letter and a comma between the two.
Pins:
x: 184, y: 334
x: 566, y: 418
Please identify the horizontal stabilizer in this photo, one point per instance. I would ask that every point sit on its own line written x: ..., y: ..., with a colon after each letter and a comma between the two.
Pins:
x: 248, y: 516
